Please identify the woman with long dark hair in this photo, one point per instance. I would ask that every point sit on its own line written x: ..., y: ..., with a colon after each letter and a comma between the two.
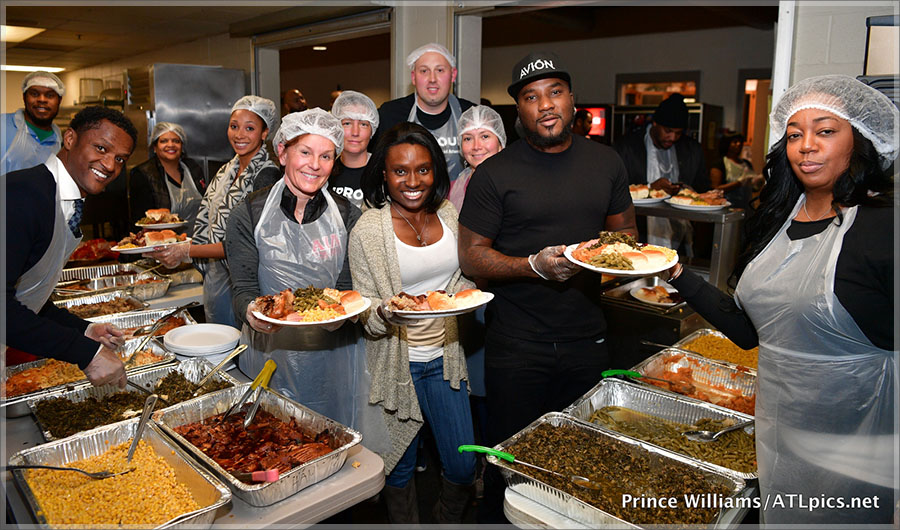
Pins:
x: 407, y: 241
x: 816, y: 293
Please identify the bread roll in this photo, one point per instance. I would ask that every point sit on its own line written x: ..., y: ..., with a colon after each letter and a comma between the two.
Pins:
x: 158, y: 213
x: 351, y: 300
x: 439, y: 301
x: 655, y: 258
x: 638, y: 260
x: 467, y: 297
x: 159, y: 238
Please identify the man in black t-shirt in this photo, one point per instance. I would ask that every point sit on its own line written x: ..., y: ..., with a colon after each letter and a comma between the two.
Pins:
x: 545, y: 343
x: 433, y: 72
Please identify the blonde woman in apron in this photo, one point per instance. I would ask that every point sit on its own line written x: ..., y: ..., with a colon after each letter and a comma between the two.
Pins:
x: 815, y: 291
x: 252, y: 119
x: 292, y: 235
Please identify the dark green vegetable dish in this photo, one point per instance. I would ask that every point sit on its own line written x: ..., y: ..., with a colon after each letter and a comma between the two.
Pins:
x: 620, y: 470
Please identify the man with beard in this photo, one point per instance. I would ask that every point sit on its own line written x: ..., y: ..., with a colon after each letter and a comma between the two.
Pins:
x: 433, y: 72
x: 44, y: 205
x: 31, y: 136
x: 545, y: 341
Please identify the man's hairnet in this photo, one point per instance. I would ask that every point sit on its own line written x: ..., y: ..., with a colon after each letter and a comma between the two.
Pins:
x: 262, y: 107
x: 44, y: 79
x: 430, y: 47
x: 311, y: 121
x: 163, y: 127
x: 482, y: 117
x: 355, y: 106
x: 867, y: 110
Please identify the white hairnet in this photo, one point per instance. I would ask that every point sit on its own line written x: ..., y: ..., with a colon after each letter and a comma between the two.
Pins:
x: 262, y: 107
x: 163, y: 127
x: 44, y: 79
x: 311, y: 121
x: 355, y: 106
x: 482, y: 117
x: 867, y: 109
x: 430, y: 47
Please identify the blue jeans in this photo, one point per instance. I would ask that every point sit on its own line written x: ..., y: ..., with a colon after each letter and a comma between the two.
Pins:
x: 447, y: 412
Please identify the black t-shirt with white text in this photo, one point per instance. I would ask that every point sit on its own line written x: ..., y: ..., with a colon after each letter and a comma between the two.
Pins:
x: 346, y: 182
x: 525, y: 200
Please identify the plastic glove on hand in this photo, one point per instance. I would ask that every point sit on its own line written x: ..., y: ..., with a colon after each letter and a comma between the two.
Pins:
x: 551, y: 264
x: 172, y: 255
x: 106, y: 334
x: 106, y: 368
x: 261, y: 326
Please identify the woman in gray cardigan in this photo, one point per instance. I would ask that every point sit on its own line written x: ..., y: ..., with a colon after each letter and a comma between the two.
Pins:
x: 407, y: 242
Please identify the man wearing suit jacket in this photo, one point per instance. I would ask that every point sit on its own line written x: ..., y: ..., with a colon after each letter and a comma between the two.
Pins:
x: 44, y: 205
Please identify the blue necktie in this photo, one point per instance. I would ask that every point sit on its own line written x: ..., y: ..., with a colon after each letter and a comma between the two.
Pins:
x: 75, y: 220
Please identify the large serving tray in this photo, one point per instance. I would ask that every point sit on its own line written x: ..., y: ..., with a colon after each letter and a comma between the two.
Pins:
x: 207, y: 491
x: 289, y: 483
x: 703, y: 333
x: 193, y: 370
x: 101, y: 297
x: 141, y: 291
x: 707, y: 374
x: 97, y: 271
x: 18, y: 406
x: 665, y: 405
x: 135, y: 319
x: 577, y: 509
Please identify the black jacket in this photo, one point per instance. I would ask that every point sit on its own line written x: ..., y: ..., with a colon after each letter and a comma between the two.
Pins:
x: 147, y: 186
x: 691, y: 162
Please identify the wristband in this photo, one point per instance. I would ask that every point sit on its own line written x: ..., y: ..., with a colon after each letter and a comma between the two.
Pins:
x: 679, y: 268
x: 531, y: 259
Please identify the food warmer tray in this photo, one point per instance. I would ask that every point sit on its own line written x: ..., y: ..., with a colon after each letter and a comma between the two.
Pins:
x: 207, y: 491
x: 263, y: 494
x: 682, y: 343
x: 708, y: 373
x: 97, y: 271
x: 193, y: 370
x: 665, y: 405
x: 575, y: 508
x: 144, y: 317
x: 141, y: 291
x: 102, y: 297
x: 18, y: 406
x: 184, y: 273
x: 621, y: 295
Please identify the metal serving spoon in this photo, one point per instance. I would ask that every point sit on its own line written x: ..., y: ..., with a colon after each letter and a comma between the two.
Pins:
x: 145, y: 415
x: 578, y: 480
x: 711, y: 436
x: 99, y: 475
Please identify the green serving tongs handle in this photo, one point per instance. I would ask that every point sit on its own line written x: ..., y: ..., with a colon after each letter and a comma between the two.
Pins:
x: 629, y: 373
x: 482, y: 449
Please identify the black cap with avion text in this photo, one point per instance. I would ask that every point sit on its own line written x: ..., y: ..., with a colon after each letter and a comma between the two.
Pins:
x: 536, y: 65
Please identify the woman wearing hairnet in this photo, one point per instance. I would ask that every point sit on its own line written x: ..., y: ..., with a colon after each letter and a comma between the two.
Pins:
x: 252, y: 119
x: 359, y: 118
x: 291, y: 235
x: 168, y: 179
x: 481, y: 136
x: 816, y: 292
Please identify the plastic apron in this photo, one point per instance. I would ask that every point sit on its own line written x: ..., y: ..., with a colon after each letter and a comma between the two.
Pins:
x: 186, y: 198
x: 25, y: 151
x: 446, y: 136
x: 325, y: 371
x: 217, y: 294
x: 825, y: 399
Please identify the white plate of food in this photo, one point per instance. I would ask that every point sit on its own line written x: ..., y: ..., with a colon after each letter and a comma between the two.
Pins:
x: 603, y: 257
x: 659, y: 296
x: 641, y: 194
x: 328, y: 306
x: 698, y: 207
x: 147, y: 248
x: 649, y: 200
x: 201, y: 339
x: 161, y: 226
x: 420, y: 307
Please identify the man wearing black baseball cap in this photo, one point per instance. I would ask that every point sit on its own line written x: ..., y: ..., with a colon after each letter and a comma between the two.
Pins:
x: 662, y: 156
x: 545, y: 340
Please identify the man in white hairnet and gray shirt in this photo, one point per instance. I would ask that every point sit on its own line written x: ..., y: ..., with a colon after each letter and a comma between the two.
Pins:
x: 29, y: 135
x: 433, y: 72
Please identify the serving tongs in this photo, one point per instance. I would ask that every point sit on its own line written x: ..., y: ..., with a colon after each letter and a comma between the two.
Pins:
x: 262, y: 379
x: 155, y: 326
x: 712, y: 436
x: 578, y: 480
x: 149, y: 403
x: 218, y: 367
x: 675, y: 386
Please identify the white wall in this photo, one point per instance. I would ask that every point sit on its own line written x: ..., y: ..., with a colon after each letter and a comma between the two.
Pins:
x: 12, y: 90
x: 830, y: 37
x: 593, y: 64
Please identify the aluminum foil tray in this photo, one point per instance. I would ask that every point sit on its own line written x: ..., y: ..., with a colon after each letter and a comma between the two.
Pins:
x: 134, y: 319
x: 577, y: 509
x: 207, y: 491
x: 289, y: 483
x: 141, y: 291
x: 665, y: 405
x: 193, y: 370
x: 704, y: 332
x: 184, y: 274
x: 102, y: 297
x: 717, y: 380
x: 18, y: 406
x: 97, y: 271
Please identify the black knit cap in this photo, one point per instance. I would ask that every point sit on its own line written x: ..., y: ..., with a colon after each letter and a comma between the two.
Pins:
x: 534, y: 66
x: 672, y: 112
